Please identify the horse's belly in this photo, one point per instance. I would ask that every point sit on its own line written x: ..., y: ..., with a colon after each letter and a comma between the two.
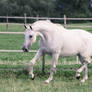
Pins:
x: 69, y: 51
x: 72, y: 46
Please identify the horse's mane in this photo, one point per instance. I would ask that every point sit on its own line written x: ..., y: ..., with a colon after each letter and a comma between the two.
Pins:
x: 48, y: 23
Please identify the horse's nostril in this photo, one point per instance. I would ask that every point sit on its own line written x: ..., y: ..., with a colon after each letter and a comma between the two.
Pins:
x: 25, y: 49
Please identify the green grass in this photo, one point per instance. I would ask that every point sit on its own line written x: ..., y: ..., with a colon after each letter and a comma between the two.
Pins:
x: 89, y: 29
x: 24, y: 58
x: 14, y: 75
x: 25, y: 85
x: 14, y: 67
x: 12, y: 27
x: 64, y: 81
x: 13, y: 42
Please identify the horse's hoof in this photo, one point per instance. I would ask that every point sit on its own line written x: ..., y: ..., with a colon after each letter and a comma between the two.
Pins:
x: 77, y: 77
x: 46, y: 82
x: 33, y: 78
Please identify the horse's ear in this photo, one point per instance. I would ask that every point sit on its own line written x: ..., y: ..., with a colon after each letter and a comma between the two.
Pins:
x: 30, y: 27
x: 25, y: 26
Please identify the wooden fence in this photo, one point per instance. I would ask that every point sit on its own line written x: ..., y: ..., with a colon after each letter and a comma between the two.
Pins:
x: 37, y: 18
x: 65, y: 19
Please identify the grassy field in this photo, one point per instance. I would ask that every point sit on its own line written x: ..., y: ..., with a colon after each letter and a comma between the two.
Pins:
x: 14, y: 67
x: 16, y: 80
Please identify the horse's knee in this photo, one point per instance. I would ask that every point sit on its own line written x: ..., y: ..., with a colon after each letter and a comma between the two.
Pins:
x: 32, y: 62
x: 86, y: 59
x: 53, y: 69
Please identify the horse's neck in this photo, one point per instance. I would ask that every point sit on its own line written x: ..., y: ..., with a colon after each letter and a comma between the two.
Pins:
x: 45, y: 36
x: 47, y: 32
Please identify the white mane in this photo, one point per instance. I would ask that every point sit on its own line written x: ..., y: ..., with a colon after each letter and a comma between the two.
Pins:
x: 47, y: 25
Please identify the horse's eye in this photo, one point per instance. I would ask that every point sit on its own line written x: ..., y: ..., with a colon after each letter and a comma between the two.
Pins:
x: 30, y: 36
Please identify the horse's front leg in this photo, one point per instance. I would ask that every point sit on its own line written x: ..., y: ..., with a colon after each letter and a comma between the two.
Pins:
x: 53, y: 67
x: 33, y: 61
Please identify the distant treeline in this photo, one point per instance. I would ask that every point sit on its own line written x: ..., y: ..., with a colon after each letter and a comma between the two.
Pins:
x: 46, y: 8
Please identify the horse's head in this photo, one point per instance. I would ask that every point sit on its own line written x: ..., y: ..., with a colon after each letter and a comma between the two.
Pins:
x: 29, y: 39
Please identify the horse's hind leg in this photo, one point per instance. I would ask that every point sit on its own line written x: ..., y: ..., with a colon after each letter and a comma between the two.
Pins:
x: 87, y: 61
x: 84, y: 61
x: 81, y: 68
x: 85, y: 73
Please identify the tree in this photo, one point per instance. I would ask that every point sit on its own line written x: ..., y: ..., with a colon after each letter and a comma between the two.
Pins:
x: 46, y: 8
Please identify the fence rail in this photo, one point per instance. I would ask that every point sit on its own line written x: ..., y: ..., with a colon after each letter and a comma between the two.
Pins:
x: 32, y: 51
x: 11, y: 32
x: 35, y: 18
x: 79, y: 26
x: 65, y: 19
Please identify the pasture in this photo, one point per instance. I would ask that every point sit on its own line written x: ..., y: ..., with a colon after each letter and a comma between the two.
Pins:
x: 14, y: 68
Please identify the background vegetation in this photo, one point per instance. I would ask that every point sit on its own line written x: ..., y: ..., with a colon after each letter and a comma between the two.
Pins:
x: 46, y: 8
x: 14, y: 66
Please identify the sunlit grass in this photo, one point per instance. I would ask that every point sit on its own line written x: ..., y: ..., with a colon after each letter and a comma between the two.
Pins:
x: 64, y: 81
x: 12, y: 27
x: 14, y: 67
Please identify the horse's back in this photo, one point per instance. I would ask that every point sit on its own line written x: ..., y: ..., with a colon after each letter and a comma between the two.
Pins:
x: 81, y: 32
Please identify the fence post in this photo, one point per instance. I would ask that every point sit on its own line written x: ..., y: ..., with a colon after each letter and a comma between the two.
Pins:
x: 43, y: 62
x: 65, y: 21
x: 25, y: 19
x: 37, y: 18
x: 7, y: 23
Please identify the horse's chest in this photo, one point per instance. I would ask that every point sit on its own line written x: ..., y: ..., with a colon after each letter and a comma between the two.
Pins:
x: 46, y: 48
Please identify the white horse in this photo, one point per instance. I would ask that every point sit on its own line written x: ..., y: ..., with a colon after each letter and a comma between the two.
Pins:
x: 58, y: 41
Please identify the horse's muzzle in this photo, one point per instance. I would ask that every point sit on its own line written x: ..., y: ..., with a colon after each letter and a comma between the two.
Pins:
x: 24, y: 49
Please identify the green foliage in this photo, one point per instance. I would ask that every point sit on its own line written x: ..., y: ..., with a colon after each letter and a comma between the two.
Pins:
x: 46, y: 8
x: 73, y: 8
